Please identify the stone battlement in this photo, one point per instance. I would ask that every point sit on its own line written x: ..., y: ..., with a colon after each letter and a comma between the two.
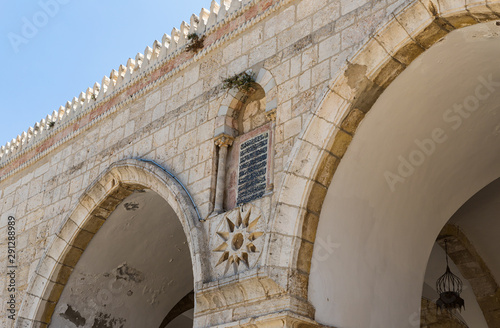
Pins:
x: 169, y: 54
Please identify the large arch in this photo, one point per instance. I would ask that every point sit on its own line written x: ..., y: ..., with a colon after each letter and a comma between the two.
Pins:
x: 412, y: 30
x: 429, y: 143
x: 319, y: 150
x: 98, y: 201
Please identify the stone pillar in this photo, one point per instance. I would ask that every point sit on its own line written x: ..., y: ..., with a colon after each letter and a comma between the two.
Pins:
x: 271, y: 116
x: 223, y: 141
x: 257, y: 298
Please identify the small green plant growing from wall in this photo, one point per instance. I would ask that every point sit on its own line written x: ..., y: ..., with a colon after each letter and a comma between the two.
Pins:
x: 243, y: 82
x: 196, y: 44
x: 51, y: 124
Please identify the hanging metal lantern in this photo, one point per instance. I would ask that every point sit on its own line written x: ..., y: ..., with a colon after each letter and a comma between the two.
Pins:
x: 449, y: 288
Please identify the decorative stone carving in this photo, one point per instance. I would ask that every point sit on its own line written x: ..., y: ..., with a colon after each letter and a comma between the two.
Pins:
x: 223, y: 140
x: 271, y: 115
x: 239, y: 240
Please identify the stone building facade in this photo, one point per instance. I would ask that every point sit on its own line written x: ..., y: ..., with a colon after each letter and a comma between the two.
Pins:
x: 265, y: 193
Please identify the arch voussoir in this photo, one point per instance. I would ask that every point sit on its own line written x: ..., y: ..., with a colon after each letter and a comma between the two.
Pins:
x: 364, y: 77
x: 481, y: 12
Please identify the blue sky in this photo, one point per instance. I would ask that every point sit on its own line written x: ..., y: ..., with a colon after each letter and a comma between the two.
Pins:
x: 52, y: 50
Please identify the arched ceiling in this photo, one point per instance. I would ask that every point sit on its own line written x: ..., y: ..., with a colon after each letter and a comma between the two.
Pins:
x: 135, y: 269
x: 479, y: 219
x: 479, y: 222
x: 430, y: 142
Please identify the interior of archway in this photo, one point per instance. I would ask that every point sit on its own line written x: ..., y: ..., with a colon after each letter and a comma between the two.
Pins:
x: 436, y: 266
x: 478, y: 221
x: 430, y: 142
x: 133, y: 273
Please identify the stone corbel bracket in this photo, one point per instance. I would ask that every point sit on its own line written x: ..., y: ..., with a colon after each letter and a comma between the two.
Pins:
x: 256, y: 298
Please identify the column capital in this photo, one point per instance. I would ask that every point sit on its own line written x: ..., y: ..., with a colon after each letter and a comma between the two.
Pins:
x: 271, y: 115
x: 223, y: 140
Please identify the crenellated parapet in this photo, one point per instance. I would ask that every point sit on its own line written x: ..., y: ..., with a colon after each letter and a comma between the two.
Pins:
x: 160, y: 53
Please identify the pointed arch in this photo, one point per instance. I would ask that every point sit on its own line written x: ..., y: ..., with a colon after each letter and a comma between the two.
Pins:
x: 89, y: 214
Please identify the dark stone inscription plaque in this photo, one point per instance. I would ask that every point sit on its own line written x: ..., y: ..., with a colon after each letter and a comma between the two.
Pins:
x: 252, y: 168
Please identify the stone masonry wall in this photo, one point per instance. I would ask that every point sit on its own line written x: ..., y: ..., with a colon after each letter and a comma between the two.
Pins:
x: 432, y: 317
x: 303, y: 44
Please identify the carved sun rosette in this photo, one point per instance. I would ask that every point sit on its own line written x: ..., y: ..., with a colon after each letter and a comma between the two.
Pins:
x: 240, y: 236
